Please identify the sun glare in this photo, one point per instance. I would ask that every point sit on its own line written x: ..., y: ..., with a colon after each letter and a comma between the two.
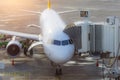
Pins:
x: 15, y: 4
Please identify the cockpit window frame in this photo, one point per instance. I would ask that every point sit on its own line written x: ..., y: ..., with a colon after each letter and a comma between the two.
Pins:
x: 56, y: 42
x: 63, y: 42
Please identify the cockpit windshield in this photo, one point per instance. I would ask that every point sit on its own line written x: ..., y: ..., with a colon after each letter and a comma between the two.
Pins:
x: 63, y: 43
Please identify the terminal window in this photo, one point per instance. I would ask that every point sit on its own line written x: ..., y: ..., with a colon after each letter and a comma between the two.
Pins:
x: 83, y: 13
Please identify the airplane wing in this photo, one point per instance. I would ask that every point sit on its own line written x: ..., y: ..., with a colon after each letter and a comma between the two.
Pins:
x: 34, y: 25
x: 63, y: 12
x: 23, y: 35
x: 35, y: 12
x: 69, y: 11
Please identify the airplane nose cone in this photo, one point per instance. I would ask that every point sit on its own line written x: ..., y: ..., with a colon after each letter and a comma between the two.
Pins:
x: 60, y: 55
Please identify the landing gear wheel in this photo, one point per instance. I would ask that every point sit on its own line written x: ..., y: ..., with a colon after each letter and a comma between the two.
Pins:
x: 25, y: 51
x: 26, y: 45
x: 58, y: 71
x: 30, y: 54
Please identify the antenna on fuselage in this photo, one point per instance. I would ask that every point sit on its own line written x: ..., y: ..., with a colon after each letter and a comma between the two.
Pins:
x: 49, y: 4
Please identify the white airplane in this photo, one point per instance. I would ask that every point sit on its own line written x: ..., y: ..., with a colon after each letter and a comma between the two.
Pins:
x: 57, y: 45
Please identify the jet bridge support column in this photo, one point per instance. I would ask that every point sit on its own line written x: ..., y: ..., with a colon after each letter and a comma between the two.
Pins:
x: 114, y: 71
x: 85, y: 32
x: 116, y: 49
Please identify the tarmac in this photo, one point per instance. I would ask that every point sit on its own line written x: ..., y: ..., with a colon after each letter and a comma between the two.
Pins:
x: 13, y: 17
x: 39, y: 68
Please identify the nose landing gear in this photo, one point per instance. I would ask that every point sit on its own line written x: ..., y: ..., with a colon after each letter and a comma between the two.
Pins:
x: 58, y: 70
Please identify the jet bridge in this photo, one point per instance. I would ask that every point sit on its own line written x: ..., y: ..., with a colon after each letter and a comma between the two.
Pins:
x: 95, y: 37
x: 101, y: 38
x: 104, y: 36
x: 74, y: 33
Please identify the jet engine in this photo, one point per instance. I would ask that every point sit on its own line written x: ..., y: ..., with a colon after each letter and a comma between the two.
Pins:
x: 13, y: 48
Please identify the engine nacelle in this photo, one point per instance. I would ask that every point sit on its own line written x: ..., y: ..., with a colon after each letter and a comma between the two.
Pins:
x: 13, y: 48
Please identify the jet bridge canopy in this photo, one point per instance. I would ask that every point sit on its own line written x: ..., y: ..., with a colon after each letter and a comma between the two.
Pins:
x: 74, y: 32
